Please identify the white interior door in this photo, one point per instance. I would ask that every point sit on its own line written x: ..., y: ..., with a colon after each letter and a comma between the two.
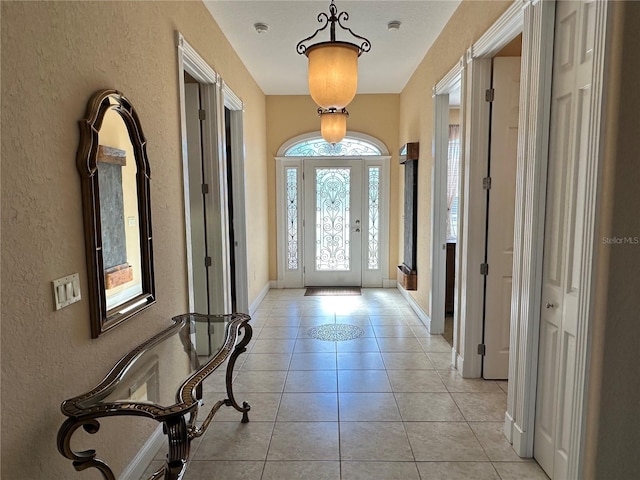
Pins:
x: 563, y: 247
x: 333, y: 223
x: 196, y: 201
x: 501, y: 215
x: 197, y: 212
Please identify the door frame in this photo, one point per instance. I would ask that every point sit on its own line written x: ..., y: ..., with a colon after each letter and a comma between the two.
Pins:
x: 536, y: 20
x: 236, y: 107
x: 454, y: 79
x: 191, y: 62
x: 476, y: 161
x: 295, y: 278
x: 215, y: 96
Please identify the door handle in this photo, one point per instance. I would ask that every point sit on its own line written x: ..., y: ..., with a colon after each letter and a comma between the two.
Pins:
x: 550, y: 305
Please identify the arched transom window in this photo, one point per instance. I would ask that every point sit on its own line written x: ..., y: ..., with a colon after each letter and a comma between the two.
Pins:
x: 318, y: 147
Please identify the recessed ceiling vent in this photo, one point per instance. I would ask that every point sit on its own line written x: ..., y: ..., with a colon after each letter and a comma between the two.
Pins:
x: 261, y: 27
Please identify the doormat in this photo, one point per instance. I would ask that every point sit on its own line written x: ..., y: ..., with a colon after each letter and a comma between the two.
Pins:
x: 329, y: 291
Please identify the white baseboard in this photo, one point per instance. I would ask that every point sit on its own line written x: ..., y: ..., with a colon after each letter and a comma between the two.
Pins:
x: 456, y: 360
x: 520, y: 442
x: 144, y: 456
x: 508, y: 427
x: 424, y: 318
x: 258, y: 300
x: 386, y: 283
x: 515, y: 436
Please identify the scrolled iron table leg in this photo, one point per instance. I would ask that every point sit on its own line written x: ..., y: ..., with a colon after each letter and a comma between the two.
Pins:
x: 241, y: 347
x: 84, y: 459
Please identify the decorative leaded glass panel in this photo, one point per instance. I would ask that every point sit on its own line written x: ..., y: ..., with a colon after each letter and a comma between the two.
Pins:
x: 292, y: 218
x: 374, y: 218
x: 318, y: 147
x: 332, y: 219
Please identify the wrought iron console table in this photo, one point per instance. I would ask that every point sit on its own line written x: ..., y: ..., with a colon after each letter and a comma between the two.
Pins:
x: 162, y: 379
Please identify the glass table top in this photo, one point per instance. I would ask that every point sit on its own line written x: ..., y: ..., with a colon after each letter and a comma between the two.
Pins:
x: 156, y: 372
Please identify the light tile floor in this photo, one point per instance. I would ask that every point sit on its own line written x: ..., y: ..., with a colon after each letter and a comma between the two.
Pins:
x: 384, y: 406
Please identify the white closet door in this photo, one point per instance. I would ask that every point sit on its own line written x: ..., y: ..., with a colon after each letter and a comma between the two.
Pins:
x: 563, y: 248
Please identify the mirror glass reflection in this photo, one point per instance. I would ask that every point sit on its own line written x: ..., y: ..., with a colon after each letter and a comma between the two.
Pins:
x: 118, y: 212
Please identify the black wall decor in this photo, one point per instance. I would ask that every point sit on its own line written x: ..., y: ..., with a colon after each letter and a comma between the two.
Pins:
x: 410, y: 210
x: 114, y: 246
x: 407, y: 271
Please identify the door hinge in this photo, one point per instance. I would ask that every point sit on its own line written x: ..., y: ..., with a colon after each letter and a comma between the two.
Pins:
x: 482, y: 349
x: 484, y: 269
x: 489, y: 94
x: 202, y: 115
x: 205, y: 188
x: 207, y: 261
x: 486, y: 183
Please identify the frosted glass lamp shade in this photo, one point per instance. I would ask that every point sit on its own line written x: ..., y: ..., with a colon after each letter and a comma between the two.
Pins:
x: 333, y: 74
x: 333, y: 126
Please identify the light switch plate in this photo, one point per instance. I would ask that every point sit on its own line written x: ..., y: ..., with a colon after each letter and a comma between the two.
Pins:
x: 66, y: 290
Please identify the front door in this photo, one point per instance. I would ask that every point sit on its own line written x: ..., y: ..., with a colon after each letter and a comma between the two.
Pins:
x: 333, y: 222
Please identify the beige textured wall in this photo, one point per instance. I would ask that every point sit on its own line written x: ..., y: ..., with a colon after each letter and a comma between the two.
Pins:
x: 454, y: 116
x: 468, y: 23
x: 613, y: 423
x: 54, y: 56
x: 292, y: 115
x: 512, y: 49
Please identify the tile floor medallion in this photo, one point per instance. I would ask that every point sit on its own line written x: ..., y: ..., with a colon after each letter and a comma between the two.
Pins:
x: 351, y: 388
x: 335, y: 332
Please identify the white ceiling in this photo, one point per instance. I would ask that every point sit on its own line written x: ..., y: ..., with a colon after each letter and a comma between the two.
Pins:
x: 272, y: 59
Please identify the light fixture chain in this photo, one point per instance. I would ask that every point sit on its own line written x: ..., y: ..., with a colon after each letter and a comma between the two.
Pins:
x: 332, y: 10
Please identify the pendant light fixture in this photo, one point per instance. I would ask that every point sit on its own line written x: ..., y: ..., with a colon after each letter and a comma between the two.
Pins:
x: 333, y: 71
x: 333, y: 124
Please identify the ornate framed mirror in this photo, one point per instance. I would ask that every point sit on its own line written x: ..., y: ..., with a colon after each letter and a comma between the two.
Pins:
x: 114, y: 172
